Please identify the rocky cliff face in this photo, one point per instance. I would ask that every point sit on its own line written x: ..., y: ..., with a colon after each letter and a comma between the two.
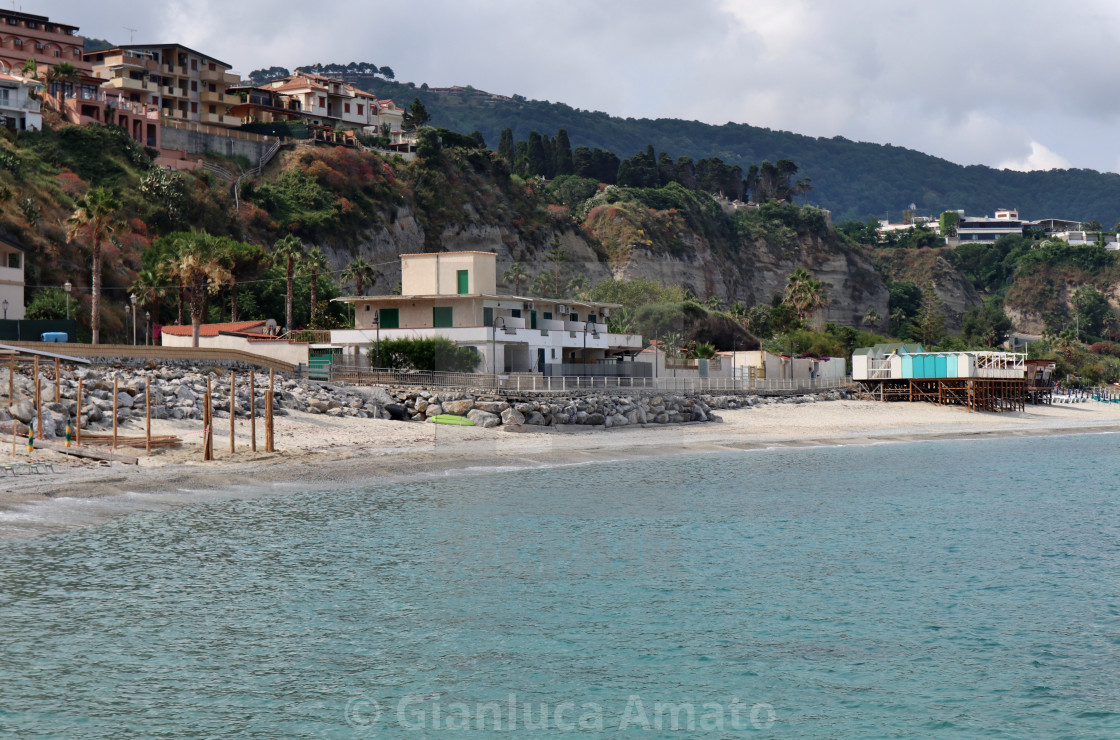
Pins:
x: 751, y: 273
x: 923, y: 266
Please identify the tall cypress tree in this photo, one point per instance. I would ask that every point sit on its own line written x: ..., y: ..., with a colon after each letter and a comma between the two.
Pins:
x: 505, y: 146
x: 549, y: 157
x: 536, y: 154
x: 563, y: 148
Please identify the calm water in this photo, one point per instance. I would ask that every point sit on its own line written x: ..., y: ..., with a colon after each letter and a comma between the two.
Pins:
x: 955, y: 589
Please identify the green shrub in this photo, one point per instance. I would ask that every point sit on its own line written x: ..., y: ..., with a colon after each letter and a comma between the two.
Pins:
x: 439, y: 354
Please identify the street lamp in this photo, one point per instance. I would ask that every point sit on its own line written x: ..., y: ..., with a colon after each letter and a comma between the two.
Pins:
x: 132, y: 298
x: 67, y: 286
x: 147, y: 327
x: 5, y: 306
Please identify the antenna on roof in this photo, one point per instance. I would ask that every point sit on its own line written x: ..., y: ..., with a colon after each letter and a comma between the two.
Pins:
x: 130, y: 32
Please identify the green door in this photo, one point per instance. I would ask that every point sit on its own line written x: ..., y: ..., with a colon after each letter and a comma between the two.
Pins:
x: 441, y: 317
x: 463, y: 287
x: 390, y: 318
x: 532, y: 319
x: 487, y: 316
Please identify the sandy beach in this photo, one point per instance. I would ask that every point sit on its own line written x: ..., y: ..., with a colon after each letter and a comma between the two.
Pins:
x: 321, y: 452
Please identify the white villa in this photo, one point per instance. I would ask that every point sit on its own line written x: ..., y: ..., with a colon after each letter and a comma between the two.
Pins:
x: 20, y: 110
x: 454, y: 295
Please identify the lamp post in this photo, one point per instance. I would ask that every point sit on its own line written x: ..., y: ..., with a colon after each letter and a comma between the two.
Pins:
x: 132, y: 299
x: 5, y: 306
x: 147, y: 328
x: 67, y: 286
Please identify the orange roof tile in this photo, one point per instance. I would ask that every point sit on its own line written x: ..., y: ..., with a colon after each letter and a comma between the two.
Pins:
x: 211, y: 330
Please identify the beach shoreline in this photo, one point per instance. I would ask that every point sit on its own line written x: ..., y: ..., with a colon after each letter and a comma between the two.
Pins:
x: 316, y: 452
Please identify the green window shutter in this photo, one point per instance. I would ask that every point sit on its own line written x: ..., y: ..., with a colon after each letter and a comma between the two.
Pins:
x: 532, y: 319
x: 487, y: 316
x: 463, y: 282
x: 548, y: 316
x: 515, y: 312
x: 441, y: 317
x: 390, y: 318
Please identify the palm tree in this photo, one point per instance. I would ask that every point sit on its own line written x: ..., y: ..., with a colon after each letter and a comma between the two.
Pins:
x: 243, y: 261
x: 287, y: 251
x: 29, y: 69
x: 150, y: 286
x: 871, y: 318
x: 804, y: 292
x: 314, y: 263
x: 198, y: 265
x: 95, y: 216
x: 62, y: 73
x: 360, y: 272
x: 515, y: 274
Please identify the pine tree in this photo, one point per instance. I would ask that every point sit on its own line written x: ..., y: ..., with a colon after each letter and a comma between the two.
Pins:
x: 536, y: 154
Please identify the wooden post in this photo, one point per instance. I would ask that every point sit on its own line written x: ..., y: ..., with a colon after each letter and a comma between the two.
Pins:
x: 57, y: 382
x: 147, y: 414
x: 114, y: 413
x: 232, y: 413
x: 207, y: 424
x: 268, y: 440
x: 253, y: 410
x: 14, y: 429
x: 11, y: 378
x: 78, y: 423
x: 39, y: 405
x: 269, y: 398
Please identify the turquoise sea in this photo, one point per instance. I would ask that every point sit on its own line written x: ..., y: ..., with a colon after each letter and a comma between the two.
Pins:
x: 963, y: 589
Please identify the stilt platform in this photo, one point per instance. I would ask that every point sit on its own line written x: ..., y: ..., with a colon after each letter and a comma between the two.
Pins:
x: 975, y: 394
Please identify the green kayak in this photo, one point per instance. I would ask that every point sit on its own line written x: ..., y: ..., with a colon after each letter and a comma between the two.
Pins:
x: 461, y: 421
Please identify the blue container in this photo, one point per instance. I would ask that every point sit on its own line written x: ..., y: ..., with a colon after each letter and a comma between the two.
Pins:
x: 55, y: 336
x: 951, y: 366
x: 941, y: 366
x: 907, y: 366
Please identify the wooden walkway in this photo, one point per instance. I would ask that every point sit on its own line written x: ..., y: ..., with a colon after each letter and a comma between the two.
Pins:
x: 975, y: 394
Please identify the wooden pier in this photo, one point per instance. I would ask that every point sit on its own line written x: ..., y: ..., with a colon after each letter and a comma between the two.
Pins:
x: 975, y: 394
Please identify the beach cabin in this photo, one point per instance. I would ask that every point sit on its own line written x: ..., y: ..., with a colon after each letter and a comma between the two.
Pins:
x: 983, y: 380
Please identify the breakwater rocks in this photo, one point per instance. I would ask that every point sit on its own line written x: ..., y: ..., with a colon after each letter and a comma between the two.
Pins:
x: 176, y: 393
x: 607, y: 411
x: 179, y: 393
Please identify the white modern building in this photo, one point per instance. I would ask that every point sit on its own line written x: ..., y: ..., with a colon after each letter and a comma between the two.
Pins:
x: 454, y: 295
x: 1006, y: 222
x: 18, y: 106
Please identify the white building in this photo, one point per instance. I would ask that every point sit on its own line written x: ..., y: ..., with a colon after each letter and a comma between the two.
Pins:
x: 1006, y: 222
x: 19, y: 108
x: 454, y: 295
x: 12, y: 261
x: 331, y: 103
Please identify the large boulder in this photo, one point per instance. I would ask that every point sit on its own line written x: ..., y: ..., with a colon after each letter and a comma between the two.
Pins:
x: 124, y: 401
x: 483, y: 419
x: 459, y: 408
x: 23, y: 411
x: 184, y: 393
x: 512, y: 416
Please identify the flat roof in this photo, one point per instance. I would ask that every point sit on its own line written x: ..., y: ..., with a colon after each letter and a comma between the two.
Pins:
x: 438, y: 254
x: 130, y: 47
x: 36, y: 18
x: 485, y: 296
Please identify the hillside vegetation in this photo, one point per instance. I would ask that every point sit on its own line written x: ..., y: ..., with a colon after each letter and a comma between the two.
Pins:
x: 855, y: 180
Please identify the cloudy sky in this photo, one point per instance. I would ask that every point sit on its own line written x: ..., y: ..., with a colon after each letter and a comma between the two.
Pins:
x: 1024, y: 84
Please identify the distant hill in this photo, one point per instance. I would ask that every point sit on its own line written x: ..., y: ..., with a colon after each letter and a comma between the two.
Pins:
x: 855, y: 180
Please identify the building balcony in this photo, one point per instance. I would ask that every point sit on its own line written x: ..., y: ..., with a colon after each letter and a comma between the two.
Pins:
x: 219, y: 119
x: 220, y: 98
x: 127, y: 83
x: 172, y: 92
x: 11, y: 275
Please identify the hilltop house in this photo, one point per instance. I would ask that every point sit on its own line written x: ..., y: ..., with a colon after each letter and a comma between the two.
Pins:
x: 454, y: 295
x: 331, y: 104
